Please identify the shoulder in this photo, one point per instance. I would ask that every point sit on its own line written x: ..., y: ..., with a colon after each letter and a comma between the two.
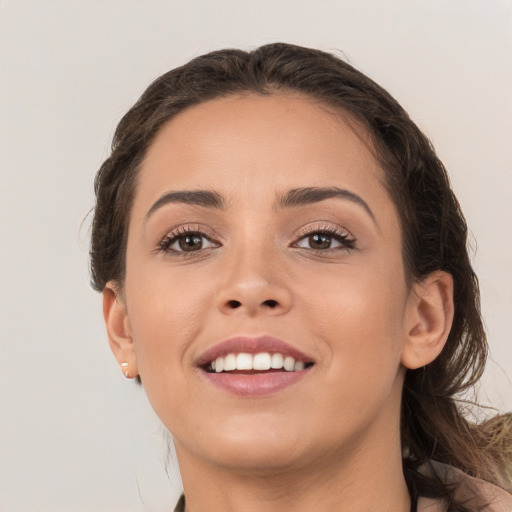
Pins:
x: 478, y: 495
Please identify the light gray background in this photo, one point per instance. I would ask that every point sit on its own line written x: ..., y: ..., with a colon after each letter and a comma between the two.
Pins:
x: 74, y: 436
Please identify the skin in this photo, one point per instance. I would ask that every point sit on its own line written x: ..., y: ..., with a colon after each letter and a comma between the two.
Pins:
x: 333, y: 437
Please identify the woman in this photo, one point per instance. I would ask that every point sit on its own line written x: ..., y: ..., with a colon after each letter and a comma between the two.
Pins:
x: 284, y: 268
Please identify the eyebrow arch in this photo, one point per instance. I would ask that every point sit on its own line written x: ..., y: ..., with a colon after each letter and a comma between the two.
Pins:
x: 310, y: 195
x: 204, y: 198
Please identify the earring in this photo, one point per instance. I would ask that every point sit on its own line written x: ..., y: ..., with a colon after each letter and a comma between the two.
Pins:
x: 124, y: 367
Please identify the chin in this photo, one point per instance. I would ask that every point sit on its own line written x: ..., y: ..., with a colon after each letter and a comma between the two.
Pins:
x: 258, y: 457
x: 248, y: 445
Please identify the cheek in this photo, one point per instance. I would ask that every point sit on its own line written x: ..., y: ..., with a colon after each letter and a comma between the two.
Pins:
x: 360, y: 316
x: 361, y: 332
x: 166, y: 314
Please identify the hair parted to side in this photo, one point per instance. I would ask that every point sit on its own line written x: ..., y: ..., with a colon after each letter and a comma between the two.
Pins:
x: 433, y: 227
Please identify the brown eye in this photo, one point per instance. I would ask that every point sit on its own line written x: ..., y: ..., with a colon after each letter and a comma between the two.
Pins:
x: 186, y: 242
x: 325, y: 240
x: 320, y: 241
x: 189, y: 243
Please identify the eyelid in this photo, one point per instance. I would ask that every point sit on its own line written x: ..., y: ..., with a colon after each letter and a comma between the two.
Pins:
x: 173, y: 234
x: 327, y: 228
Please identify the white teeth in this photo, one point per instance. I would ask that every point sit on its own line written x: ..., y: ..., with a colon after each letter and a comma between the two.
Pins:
x: 260, y: 362
x: 276, y: 362
x: 244, y: 361
x: 289, y: 364
x: 230, y: 363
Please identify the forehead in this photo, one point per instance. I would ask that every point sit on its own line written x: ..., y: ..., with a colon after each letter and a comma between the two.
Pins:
x: 257, y: 143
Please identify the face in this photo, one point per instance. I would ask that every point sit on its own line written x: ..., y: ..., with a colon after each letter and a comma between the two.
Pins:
x: 261, y: 225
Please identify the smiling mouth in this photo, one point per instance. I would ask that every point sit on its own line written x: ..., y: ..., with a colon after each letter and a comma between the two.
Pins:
x: 259, y: 363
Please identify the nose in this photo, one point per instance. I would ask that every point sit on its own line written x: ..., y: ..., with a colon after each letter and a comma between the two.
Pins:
x: 254, y: 288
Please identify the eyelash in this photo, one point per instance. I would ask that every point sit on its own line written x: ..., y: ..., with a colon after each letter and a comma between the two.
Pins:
x: 346, y: 240
x: 170, y: 239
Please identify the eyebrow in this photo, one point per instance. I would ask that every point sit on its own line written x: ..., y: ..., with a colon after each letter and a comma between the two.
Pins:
x: 292, y: 198
x: 310, y: 195
x: 204, y: 198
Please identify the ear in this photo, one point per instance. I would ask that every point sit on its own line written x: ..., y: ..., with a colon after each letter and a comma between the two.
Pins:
x: 429, y: 319
x: 119, y: 330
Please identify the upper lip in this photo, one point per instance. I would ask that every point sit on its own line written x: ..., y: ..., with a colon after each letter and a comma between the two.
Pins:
x: 252, y: 345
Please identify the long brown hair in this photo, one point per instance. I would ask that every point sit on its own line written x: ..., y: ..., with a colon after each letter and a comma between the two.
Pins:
x: 433, y: 426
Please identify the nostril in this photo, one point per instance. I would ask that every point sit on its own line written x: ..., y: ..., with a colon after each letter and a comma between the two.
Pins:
x: 234, y: 304
x: 270, y: 303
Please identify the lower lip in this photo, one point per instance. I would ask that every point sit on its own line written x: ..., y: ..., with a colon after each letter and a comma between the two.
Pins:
x: 256, y: 384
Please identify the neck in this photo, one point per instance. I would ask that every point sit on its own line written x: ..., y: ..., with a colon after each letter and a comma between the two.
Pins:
x: 356, y: 480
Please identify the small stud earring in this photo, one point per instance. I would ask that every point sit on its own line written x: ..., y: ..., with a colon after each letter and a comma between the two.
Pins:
x: 124, y: 366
